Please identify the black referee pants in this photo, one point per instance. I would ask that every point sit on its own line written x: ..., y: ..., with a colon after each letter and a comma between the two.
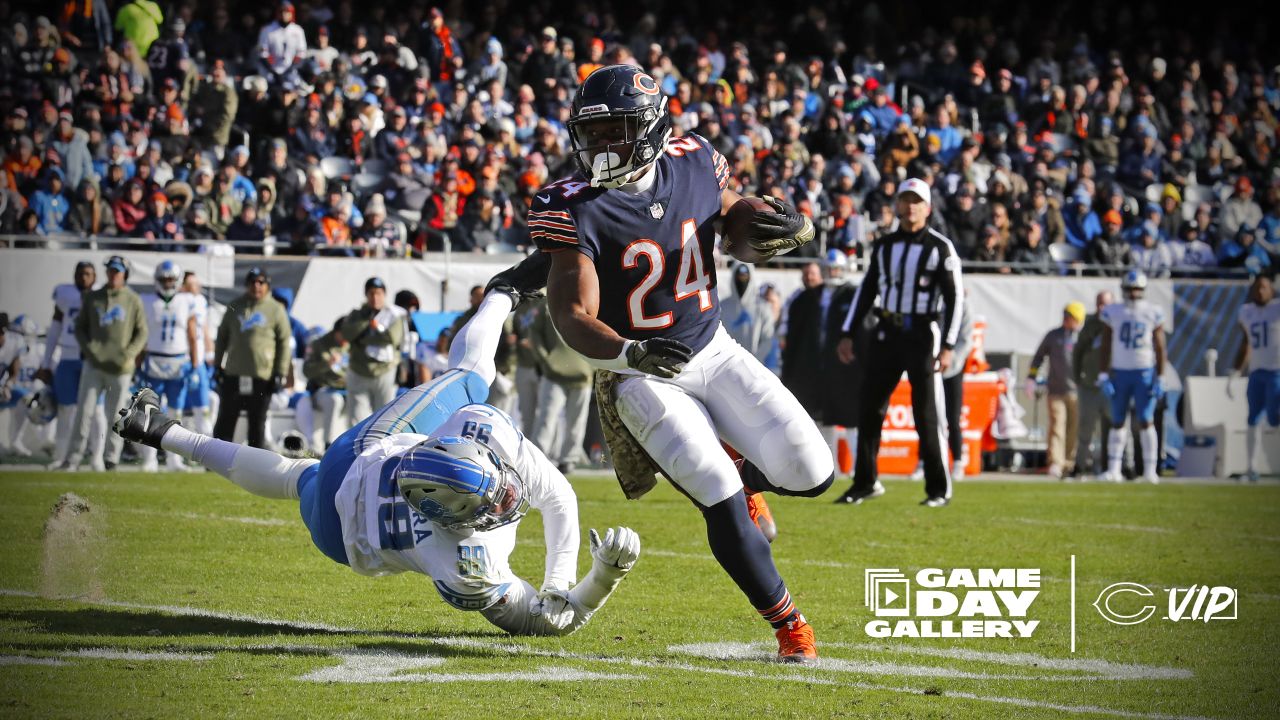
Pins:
x: 232, y: 403
x: 894, y: 350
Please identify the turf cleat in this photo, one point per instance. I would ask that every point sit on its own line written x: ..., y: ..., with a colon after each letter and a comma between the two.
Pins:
x: 935, y: 502
x: 758, y: 509
x: 142, y: 421
x: 796, y: 643
x: 856, y: 497
x: 523, y: 280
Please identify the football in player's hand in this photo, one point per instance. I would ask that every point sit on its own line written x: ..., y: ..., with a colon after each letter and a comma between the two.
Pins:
x: 736, y: 232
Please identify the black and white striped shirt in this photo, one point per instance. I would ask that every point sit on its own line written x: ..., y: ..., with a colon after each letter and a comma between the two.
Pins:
x: 913, y: 273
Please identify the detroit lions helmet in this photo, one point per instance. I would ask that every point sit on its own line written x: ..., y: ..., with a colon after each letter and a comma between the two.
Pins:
x: 168, y: 278
x: 42, y: 408
x: 24, y: 325
x: 1134, y: 284
x: 619, y: 124
x: 461, y: 484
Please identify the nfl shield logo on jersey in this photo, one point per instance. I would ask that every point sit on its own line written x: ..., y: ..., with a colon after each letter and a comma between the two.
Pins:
x: 656, y: 211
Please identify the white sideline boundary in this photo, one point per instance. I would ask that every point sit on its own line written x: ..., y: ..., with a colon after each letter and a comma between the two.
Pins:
x: 801, y: 675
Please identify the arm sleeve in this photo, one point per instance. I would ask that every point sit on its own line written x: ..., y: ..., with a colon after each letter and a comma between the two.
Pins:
x: 82, y: 328
x: 220, y: 342
x: 283, y: 333
x: 51, y: 343
x: 476, y: 342
x: 865, y: 296
x: 552, y: 495
x: 139, y: 339
x: 952, y: 296
x: 1038, y: 358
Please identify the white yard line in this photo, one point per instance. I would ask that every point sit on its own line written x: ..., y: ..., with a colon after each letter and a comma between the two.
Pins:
x: 803, y: 675
x: 243, y: 520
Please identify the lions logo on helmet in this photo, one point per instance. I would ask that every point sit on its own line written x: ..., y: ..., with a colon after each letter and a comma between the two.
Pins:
x: 619, y: 124
x: 460, y: 484
x: 168, y: 275
x: 24, y: 325
x: 42, y: 408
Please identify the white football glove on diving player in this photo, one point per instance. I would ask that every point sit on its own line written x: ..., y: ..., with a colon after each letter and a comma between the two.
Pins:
x: 620, y: 547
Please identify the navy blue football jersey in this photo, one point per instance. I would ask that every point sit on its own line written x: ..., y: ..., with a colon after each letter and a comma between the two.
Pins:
x: 653, y: 250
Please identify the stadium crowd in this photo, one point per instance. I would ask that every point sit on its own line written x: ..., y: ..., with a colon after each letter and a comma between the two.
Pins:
x: 385, y: 129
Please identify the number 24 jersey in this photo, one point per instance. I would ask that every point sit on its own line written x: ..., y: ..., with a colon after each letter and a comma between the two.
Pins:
x: 652, y: 250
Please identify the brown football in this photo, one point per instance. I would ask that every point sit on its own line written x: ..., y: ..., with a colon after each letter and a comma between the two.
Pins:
x: 737, y: 226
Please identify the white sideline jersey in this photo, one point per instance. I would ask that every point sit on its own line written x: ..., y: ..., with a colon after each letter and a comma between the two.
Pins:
x: 198, y: 307
x: 14, y: 346
x: 470, y: 569
x: 1133, y: 327
x: 166, y: 324
x: 1261, y: 325
x: 66, y: 298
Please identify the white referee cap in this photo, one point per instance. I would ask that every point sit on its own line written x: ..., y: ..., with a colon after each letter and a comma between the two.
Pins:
x: 917, y: 187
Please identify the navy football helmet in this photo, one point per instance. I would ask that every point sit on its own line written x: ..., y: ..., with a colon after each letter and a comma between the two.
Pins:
x: 460, y: 483
x: 619, y: 124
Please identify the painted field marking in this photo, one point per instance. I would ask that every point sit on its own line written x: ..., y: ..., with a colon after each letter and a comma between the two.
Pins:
x: 802, y: 675
x: 243, y: 520
x: 377, y: 666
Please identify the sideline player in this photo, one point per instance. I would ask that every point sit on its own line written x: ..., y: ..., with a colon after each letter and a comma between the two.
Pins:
x: 18, y: 365
x: 199, y: 406
x: 171, y: 353
x: 1133, y: 350
x: 1259, y: 349
x: 632, y: 288
x: 64, y: 378
x: 434, y: 482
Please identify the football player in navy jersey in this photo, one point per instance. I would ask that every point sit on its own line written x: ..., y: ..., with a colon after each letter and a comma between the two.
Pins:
x: 633, y: 289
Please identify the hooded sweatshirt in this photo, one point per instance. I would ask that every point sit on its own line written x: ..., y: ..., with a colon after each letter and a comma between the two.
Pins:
x: 746, y: 315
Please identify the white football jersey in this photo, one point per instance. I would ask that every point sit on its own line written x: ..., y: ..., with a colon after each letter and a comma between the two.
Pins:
x: 198, y: 307
x: 66, y: 298
x: 1132, y: 326
x: 1261, y: 325
x: 14, y: 346
x: 470, y: 569
x: 166, y: 324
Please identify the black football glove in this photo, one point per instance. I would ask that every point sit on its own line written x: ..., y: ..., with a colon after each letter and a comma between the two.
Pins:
x: 524, y: 280
x: 773, y: 233
x: 659, y: 356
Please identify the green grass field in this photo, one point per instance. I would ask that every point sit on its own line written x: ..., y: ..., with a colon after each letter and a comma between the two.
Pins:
x: 208, y: 602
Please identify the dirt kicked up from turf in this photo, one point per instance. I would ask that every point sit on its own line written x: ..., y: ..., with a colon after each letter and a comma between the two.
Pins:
x: 73, y: 544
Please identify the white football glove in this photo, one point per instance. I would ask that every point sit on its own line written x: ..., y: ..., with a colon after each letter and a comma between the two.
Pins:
x: 620, y: 547
x: 553, y: 605
x: 1230, y: 381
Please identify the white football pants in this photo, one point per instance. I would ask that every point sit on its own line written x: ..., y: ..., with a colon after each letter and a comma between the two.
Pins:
x: 724, y: 393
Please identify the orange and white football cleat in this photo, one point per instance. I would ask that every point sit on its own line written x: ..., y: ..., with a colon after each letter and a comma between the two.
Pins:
x: 758, y: 509
x: 796, y: 643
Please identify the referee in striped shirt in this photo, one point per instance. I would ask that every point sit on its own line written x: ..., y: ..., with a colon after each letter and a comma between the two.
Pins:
x: 915, y: 273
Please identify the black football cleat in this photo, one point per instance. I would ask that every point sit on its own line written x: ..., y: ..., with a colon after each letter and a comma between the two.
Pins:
x: 142, y: 421
x: 857, y: 497
x: 524, y: 280
x: 935, y: 502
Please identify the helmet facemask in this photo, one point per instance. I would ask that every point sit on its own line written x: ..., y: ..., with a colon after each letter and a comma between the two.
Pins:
x: 168, y: 279
x: 610, y: 146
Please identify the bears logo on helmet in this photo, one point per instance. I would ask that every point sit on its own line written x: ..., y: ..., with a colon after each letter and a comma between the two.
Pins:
x: 619, y: 124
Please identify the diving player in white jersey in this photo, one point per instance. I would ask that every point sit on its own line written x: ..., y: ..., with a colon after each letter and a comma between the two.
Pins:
x: 64, y: 378
x: 1259, y: 349
x: 1134, y: 353
x: 198, y: 406
x: 172, y: 351
x: 435, y: 482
